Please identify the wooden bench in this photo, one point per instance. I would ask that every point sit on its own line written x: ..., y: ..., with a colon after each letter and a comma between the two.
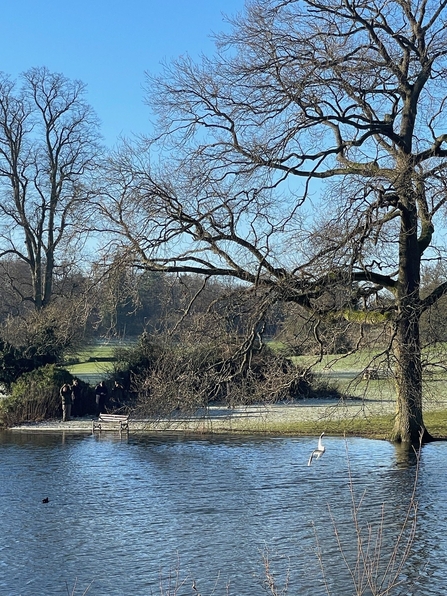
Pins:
x: 376, y: 374
x: 106, y: 419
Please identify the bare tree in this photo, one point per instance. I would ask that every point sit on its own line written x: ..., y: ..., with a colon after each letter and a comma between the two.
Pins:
x: 307, y: 159
x: 48, y: 145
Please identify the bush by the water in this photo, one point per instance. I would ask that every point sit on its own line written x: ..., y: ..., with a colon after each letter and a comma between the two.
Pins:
x: 35, y: 397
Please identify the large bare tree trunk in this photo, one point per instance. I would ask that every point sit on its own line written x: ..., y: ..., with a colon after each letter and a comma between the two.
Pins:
x: 409, y: 425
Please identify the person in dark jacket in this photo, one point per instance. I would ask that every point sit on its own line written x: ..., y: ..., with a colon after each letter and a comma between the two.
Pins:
x: 118, y: 395
x: 75, y: 398
x: 101, y: 394
x: 65, y: 393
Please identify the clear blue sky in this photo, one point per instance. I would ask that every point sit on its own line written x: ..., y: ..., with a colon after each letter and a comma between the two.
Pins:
x: 109, y: 45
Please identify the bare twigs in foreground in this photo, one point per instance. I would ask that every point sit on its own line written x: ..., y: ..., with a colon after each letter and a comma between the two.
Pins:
x: 374, y: 571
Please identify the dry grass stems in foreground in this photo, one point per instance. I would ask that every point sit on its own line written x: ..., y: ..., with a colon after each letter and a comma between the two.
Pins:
x: 270, y: 581
x: 374, y: 570
x: 73, y: 591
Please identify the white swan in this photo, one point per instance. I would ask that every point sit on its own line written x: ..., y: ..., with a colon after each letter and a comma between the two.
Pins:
x: 318, y: 452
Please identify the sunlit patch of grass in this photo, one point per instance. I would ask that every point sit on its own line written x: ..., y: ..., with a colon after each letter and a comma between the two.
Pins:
x: 97, y: 351
x: 101, y: 351
x: 93, y: 367
x: 378, y: 427
x: 94, y: 359
x: 436, y: 422
x: 97, y: 358
x: 374, y: 427
x: 337, y: 362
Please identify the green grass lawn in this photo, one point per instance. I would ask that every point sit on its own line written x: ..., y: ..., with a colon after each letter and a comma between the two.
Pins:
x: 94, y: 367
x: 96, y: 359
x: 339, y: 362
x: 96, y: 351
x: 345, y: 373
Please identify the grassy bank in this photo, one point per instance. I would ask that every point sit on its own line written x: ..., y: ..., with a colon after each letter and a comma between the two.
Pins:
x: 376, y: 427
x: 292, y: 419
x: 346, y: 373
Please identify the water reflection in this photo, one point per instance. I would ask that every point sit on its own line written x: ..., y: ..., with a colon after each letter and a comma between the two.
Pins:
x: 128, y: 514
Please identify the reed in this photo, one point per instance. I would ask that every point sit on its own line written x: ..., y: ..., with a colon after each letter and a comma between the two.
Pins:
x: 72, y: 591
x: 373, y: 572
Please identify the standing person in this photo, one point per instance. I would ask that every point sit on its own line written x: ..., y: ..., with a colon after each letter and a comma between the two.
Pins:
x: 117, y: 395
x: 75, y: 397
x: 100, y: 396
x: 65, y: 393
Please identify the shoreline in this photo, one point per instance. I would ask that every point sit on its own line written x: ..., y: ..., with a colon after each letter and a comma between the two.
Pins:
x: 255, y: 418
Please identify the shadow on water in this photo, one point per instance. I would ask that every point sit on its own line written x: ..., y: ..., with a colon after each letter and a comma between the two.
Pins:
x: 133, y: 514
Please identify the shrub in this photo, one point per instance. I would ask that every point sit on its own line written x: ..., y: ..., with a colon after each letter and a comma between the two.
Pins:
x: 40, y: 337
x: 136, y: 359
x: 164, y: 376
x: 15, y: 361
x: 188, y: 377
x: 34, y: 396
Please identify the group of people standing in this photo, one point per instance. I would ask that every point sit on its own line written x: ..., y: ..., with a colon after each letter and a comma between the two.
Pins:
x: 71, y: 393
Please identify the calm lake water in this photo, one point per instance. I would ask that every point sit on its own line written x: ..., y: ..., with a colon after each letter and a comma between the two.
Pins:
x: 150, y: 515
